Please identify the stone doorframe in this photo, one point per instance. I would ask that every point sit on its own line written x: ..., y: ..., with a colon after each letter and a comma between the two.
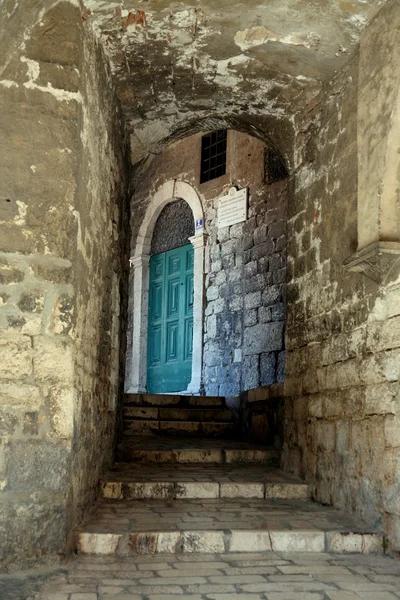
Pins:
x: 169, y: 192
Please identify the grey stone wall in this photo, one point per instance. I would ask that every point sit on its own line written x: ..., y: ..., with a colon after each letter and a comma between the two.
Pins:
x: 245, y: 289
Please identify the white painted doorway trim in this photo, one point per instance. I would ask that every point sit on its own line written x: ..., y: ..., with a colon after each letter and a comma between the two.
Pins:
x: 169, y: 192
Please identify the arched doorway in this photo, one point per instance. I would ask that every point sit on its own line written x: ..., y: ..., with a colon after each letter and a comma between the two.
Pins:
x: 171, y: 296
x: 168, y: 295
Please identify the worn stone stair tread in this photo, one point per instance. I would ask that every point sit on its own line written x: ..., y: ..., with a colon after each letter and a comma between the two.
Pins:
x: 156, y: 448
x: 173, y: 401
x: 206, y: 428
x: 129, y: 481
x: 209, y: 414
x: 157, y: 526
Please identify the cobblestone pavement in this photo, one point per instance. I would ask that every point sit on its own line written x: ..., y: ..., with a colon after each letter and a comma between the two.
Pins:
x: 266, y: 576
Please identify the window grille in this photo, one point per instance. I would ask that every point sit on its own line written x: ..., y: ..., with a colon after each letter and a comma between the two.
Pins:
x: 213, y: 155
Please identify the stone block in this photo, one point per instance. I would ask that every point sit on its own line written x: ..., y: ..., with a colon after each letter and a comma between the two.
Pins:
x: 15, y: 355
x: 272, y: 295
x: 223, y: 234
x: 197, y: 489
x: 383, y: 335
x: 228, y: 261
x: 276, y: 262
x: 381, y: 399
x: 268, y: 368
x: 257, y: 283
x: 62, y: 315
x: 392, y: 431
x: 262, y: 338
x: 31, y: 301
x: 251, y: 375
x: 203, y: 541
x: 35, y: 464
x: 211, y: 326
x: 53, y: 271
x: 252, y: 300
x: 250, y: 269
x: 260, y: 234
x: 53, y: 360
x: 297, y: 541
x: 212, y: 292
x: 242, y: 490
x: 62, y: 403
x: 250, y: 541
x: 281, y: 366
x: 98, y: 543
x: 10, y: 273
x: 261, y: 250
x: 250, y: 317
x: 228, y: 248
x: 236, y: 304
x: 278, y: 311
x: 236, y: 230
x: 265, y: 314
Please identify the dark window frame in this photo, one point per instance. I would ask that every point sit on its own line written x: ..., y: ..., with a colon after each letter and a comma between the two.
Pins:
x: 213, y: 155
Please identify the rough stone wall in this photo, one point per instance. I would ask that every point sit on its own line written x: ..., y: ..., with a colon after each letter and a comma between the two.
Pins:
x: 245, y: 263
x: 342, y: 427
x: 60, y: 180
x: 101, y: 279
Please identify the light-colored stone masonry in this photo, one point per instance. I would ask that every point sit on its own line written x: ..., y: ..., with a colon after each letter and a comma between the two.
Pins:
x: 61, y: 243
x: 341, y: 424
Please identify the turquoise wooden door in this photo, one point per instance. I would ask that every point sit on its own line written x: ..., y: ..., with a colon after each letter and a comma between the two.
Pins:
x: 170, y: 333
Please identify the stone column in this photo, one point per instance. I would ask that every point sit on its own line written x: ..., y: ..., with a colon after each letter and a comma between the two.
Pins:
x: 140, y: 315
x: 378, y: 141
x: 199, y: 242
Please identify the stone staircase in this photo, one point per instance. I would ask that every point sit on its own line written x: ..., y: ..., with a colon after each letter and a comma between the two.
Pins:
x: 176, y: 490
x: 177, y: 415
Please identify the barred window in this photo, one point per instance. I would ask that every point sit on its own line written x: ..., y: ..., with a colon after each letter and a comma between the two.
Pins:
x: 213, y: 155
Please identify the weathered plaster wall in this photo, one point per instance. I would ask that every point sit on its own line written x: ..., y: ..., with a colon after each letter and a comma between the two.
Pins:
x: 342, y: 426
x: 62, y: 178
x: 245, y: 263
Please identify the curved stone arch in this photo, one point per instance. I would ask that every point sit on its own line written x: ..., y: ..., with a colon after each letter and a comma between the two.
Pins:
x: 275, y: 133
x: 169, y: 192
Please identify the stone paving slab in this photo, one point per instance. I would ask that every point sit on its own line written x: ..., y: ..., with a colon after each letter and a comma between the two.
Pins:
x: 248, y: 525
x: 254, y: 576
x: 130, y: 481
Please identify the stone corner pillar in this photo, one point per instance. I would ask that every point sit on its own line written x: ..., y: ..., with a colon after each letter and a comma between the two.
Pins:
x: 199, y: 242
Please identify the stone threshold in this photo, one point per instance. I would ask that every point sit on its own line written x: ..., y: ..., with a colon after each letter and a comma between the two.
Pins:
x: 199, y: 455
x: 118, y: 490
x: 228, y: 541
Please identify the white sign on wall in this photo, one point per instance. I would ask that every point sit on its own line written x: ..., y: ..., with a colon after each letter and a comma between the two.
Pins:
x: 232, y: 208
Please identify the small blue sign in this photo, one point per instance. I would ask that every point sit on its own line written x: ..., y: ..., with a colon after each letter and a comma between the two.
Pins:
x: 199, y: 223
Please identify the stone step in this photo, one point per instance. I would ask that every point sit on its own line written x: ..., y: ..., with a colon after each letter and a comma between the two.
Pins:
x: 158, y: 449
x: 214, y: 526
x: 204, y: 429
x: 132, y: 482
x: 177, y: 414
x: 174, y: 401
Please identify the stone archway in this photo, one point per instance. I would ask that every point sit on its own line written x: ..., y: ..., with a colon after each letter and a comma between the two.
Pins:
x: 168, y: 192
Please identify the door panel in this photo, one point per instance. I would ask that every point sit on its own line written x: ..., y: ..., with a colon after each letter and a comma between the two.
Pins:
x: 170, y: 327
